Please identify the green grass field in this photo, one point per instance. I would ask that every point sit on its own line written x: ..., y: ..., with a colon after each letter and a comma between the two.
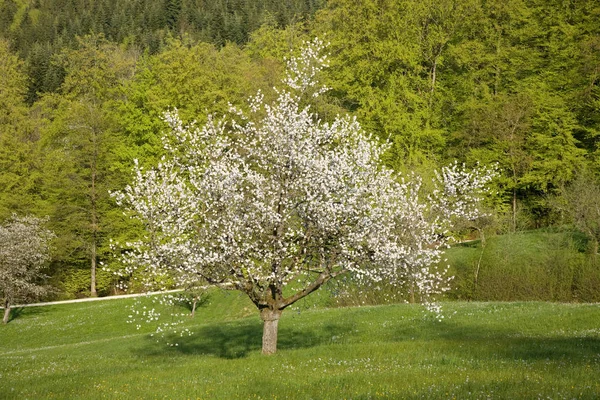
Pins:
x: 479, y: 351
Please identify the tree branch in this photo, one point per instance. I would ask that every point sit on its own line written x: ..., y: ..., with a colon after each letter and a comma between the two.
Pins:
x: 322, y: 279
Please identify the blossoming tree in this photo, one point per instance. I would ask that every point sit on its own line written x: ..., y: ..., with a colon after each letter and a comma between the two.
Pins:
x: 24, y: 251
x: 273, y: 195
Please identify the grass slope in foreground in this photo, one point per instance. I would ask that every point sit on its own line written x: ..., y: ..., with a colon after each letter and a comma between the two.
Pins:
x: 481, y: 350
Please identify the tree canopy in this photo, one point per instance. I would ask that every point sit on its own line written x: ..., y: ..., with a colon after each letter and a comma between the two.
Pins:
x: 83, y: 88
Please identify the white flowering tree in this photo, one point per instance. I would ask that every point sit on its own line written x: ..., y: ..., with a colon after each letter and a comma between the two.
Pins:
x: 24, y: 251
x: 272, y: 196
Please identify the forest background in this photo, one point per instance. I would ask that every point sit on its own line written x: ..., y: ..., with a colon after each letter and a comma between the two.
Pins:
x: 83, y: 86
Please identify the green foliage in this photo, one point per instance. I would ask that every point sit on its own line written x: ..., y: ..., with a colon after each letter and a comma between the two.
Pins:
x: 85, y: 83
x: 19, y: 158
x: 75, y: 283
x: 533, y: 266
x: 489, y: 81
x: 379, y: 70
x: 41, y: 29
x: 83, y: 150
x: 579, y: 203
x: 197, y: 79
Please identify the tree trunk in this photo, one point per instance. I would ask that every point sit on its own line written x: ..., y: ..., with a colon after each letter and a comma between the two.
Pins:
x: 271, y: 321
x: 94, y: 211
x: 514, y: 211
x: 194, y: 307
x: 6, y: 312
x: 93, y: 291
x: 478, y: 267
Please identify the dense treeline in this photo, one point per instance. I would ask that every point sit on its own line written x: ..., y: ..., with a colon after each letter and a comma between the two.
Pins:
x: 40, y: 29
x: 83, y: 86
x: 513, y: 82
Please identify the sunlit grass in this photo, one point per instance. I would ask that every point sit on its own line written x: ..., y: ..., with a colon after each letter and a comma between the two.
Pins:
x: 480, y: 350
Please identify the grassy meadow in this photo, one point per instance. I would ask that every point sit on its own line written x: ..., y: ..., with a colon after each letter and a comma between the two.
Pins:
x: 478, y: 351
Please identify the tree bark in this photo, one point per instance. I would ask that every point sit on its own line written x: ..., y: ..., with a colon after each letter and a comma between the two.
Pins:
x: 94, y: 211
x: 514, y: 210
x: 194, y: 307
x: 6, y: 312
x: 272, y: 307
x: 93, y: 291
x: 271, y: 322
x: 478, y: 267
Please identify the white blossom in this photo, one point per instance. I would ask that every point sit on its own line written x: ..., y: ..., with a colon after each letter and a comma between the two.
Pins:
x: 460, y: 191
x: 24, y: 251
x: 271, y: 195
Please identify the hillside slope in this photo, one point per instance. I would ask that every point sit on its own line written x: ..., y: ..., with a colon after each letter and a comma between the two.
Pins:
x: 481, y: 350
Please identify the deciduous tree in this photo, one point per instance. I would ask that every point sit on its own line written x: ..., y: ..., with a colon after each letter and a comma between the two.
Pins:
x: 24, y: 250
x: 580, y: 200
x: 274, y: 196
x: 18, y: 164
x: 84, y: 148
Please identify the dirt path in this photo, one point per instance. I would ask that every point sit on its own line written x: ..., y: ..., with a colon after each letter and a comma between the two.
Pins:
x: 123, y: 296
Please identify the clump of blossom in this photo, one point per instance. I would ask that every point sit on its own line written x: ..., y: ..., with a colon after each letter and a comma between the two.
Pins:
x: 460, y: 191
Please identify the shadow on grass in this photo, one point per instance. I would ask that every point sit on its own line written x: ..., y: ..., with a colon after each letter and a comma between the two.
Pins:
x: 476, y: 341
x: 466, y: 338
x: 237, y: 339
x: 18, y: 312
